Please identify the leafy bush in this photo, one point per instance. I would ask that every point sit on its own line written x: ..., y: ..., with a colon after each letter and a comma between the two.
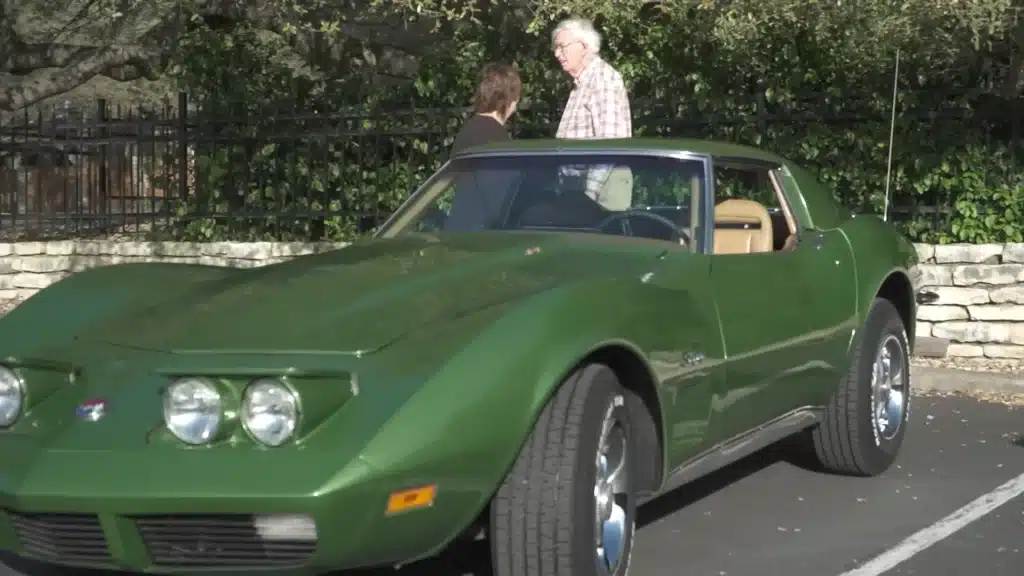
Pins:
x: 289, y: 154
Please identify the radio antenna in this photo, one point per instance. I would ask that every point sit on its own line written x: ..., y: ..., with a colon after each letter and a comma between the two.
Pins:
x: 892, y: 131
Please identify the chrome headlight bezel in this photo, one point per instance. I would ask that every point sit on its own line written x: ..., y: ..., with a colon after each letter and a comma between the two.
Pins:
x: 11, y: 380
x: 270, y: 411
x: 210, y: 408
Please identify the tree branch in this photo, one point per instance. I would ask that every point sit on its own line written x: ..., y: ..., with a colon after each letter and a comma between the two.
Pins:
x: 23, y: 58
x: 51, y: 82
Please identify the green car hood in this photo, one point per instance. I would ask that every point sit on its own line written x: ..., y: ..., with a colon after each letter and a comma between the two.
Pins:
x: 353, y: 300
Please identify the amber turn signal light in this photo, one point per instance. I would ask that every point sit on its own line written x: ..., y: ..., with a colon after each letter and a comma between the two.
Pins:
x: 411, y: 499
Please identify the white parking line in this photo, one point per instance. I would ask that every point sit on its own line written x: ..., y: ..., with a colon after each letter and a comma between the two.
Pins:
x: 940, y: 530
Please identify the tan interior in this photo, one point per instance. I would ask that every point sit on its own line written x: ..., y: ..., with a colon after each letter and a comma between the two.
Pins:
x: 746, y: 240
x: 748, y: 212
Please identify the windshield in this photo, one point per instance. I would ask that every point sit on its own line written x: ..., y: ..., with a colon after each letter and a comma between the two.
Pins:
x: 622, y: 194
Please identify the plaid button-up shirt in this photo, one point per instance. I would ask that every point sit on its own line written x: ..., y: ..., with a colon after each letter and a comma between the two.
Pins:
x: 597, y: 108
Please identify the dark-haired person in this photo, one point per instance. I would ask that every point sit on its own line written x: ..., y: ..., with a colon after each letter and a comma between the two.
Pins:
x: 480, y: 194
x: 496, y: 98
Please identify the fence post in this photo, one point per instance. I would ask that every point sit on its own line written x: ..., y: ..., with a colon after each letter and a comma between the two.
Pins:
x: 104, y: 150
x: 182, y: 146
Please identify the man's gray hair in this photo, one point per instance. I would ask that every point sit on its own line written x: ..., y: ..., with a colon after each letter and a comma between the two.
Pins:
x: 582, y: 29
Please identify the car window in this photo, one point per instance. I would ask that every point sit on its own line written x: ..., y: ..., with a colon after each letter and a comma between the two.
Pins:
x: 747, y: 183
x: 629, y: 195
x: 750, y: 216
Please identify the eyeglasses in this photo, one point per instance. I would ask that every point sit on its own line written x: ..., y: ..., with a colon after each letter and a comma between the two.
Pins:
x: 562, y: 47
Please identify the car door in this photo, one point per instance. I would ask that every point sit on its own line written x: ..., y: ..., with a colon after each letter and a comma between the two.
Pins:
x: 782, y: 336
x: 680, y: 324
x: 829, y: 282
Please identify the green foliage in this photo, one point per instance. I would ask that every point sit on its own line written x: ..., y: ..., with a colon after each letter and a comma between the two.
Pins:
x: 987, y: 197
x: 279, y: 154
x: 324, y: 153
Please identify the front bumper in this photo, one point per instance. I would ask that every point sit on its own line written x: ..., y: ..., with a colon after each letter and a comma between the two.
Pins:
x: 150, y: 511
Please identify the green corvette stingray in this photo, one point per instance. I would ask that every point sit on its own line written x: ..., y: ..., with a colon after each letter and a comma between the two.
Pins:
x: 544, y: 335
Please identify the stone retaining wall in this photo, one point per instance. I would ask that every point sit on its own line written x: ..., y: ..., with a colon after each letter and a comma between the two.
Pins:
x: 980, y: 309
x: 26, y: 267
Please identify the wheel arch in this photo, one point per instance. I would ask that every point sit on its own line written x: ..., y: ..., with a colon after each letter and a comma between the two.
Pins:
x: 886, y: 264
x: 635, y: 374
x: 897, y: 288
x: 523, y: 389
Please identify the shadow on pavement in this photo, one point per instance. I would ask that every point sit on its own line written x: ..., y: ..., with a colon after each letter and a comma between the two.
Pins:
x: 787, y: 451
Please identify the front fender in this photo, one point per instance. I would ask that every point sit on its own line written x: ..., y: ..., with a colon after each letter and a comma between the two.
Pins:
x: 465, y: 426
x: 68, y: 307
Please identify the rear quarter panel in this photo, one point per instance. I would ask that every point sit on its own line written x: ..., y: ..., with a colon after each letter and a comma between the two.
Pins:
x: 880, y: 250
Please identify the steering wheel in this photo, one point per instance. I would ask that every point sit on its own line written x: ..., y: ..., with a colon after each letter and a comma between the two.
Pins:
x: 675, y: 233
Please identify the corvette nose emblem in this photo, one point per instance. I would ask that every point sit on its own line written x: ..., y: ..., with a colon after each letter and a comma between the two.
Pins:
x: 91, y: 410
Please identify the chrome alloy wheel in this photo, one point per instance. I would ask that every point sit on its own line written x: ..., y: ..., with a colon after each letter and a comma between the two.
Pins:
x: 610, y: 492
x: 888, y: 394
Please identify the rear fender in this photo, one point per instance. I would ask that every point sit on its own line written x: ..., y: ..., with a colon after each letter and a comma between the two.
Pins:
x: 880, y: 251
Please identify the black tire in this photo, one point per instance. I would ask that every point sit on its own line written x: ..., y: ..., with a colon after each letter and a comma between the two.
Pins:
x: 847, y: 441
x: 543, y: 517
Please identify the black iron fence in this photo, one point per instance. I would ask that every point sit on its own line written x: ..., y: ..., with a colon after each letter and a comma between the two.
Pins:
x: 179, y: 172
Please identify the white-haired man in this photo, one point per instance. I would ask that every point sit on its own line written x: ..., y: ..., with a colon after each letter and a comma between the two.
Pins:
x: 599, y: 104
x: 598, y: 107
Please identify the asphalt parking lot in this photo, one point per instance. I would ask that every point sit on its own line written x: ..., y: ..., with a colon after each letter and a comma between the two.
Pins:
x: 952, y: 505
x: 782, y: 519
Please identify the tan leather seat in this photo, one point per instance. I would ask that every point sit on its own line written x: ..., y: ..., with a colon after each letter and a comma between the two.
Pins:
x: 746, y: 240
